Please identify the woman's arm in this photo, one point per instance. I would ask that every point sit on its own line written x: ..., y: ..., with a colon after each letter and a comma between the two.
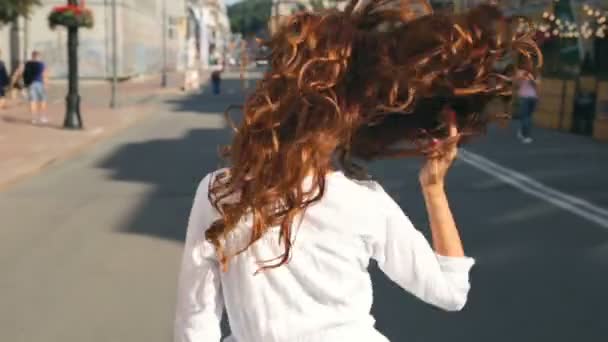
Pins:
x: 405, y: 255
x: 199, y: 300
x: 446, y: 239
x: 440, y: 276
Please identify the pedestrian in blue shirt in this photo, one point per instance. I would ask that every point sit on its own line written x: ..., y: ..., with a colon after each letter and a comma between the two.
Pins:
x: 216, y: 81
x: 34, y: 75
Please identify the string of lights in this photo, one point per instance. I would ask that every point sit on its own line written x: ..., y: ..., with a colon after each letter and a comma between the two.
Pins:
x: 593, y: 24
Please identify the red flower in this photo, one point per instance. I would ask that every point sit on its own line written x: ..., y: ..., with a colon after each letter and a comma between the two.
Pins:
x: 76, y: 10
x: 67, y: 8
x: 61, y: 8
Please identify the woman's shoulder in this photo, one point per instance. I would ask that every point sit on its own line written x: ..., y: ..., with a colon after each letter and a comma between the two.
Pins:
x: 202, y: 205
x: 368, y: 205
x: 209, y: 178
x: 367, y: 185
x: 372, y: 191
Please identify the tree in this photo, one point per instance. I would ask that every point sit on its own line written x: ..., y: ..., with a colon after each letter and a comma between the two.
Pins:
x: 569, y: 49
x: 12, y: 9
x: 249, y: 17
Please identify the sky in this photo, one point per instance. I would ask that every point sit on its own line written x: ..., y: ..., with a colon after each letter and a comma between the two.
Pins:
x: 230, y: 2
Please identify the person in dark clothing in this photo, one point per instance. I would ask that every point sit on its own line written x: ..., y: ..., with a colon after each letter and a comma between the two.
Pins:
x: 584, y: 111
x: 216, y: 81
x: 4, y: 82
x: 34, y: 75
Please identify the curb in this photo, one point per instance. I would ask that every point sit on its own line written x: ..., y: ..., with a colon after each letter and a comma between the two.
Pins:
x: 95, y: 138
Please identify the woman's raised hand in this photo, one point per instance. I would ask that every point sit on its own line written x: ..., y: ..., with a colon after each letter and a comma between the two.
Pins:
x: 440, y: 157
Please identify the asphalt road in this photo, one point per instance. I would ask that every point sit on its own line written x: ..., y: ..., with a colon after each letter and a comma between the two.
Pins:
x: 90, y: 248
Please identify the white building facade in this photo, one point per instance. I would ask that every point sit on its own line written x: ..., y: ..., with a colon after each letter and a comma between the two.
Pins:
x: 139, y: 39
x: 208, y: 33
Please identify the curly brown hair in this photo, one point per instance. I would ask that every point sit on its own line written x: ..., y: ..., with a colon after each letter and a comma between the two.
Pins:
x: 352, y: 84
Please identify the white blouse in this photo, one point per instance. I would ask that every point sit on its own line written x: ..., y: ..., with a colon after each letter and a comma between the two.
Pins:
x: 324, y: 293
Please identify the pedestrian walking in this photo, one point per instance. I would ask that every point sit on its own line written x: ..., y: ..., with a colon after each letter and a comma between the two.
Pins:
x: 34, y: 74
x: 16, y: 89
x: 216, y: 81
x: 527, y: 99
x: 4, y: 82
x: 282, y: 238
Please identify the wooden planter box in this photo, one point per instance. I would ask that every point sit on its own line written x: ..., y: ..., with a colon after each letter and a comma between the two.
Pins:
x: 600, y: 126
x: 550, y: 102
x: 600, y: 129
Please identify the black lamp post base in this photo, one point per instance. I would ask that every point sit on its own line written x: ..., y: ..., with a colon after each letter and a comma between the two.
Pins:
x: 72, y: 115
x: 73, y: 120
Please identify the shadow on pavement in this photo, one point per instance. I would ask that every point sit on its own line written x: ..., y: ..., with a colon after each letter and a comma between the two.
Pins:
x: 206, y: 102
x: 536, y: 280
x: 173, y: 167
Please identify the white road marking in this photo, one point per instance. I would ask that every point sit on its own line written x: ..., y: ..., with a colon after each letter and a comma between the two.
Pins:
x: 572, y: 204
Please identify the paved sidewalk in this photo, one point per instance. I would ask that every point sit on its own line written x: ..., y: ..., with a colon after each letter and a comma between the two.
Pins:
x: 25, y: 148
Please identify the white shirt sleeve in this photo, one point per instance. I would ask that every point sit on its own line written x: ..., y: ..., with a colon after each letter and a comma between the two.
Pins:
x: 199, y: 299
x: 404, y: 254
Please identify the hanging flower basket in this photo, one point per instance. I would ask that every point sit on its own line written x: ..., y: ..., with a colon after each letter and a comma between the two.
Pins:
x: 71, y: 16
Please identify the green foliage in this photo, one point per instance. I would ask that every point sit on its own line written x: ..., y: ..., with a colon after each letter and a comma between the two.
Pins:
x: 317, y: 5
x: 249, y: 17
x: 71, y: 16
x: 569, y: 49
x: 12, y: 9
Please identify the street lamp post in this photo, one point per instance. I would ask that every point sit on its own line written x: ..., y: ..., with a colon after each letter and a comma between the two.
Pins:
x: 277, y: 4
x: 114, y: 56
x: 163, y: 81
x: 73, y: 118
